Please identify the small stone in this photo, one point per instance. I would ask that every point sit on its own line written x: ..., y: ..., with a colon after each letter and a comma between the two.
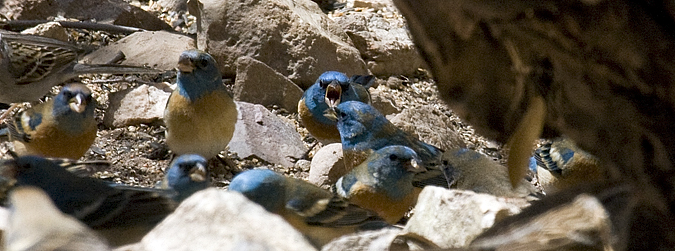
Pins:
x: 327, y: 166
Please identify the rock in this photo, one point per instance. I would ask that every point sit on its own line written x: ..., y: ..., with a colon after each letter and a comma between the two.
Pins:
x: 260, y: 133
x: 431, y: 126
x: 214, y: 219
x: 258, y: 83
x: 327, y: 166
x: 292, y: 37
x: 384, y: 239
x: 51, y: 30
x: 141, y: 105
x: 453, y: 218
x: 383, y: 41
x: 116, y: 12
x: 174, y: 5
x: 581, y: 224
x: 384, y: 105
x: 140, y: 49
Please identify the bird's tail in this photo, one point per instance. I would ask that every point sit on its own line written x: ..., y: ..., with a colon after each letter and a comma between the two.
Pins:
x: 113, y: 69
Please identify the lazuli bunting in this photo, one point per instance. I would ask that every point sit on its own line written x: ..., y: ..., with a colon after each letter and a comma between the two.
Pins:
x: 200, y: 114
x: 121, y: 214
x: 561, y: 164
x: 383, y: 183
x: 470, y: 170
x: 363, y: 130
x: 63, y: 127
x: 36, y: 224
x: 30, y: 65
x: 187, y: 174
x: 317, y: 213
x: 330, y: 89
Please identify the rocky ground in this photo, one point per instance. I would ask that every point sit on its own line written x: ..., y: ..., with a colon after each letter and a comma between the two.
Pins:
x: 139, y: 155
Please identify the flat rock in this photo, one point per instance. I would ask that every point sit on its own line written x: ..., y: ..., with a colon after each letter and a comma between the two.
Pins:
x: 260, y: 133
x: 430, y: 125
x: 327, y: 166
x: 116, y: 12
x: 214, y: 219
x: 141, y: 49
x: 384, y: 105
x: 258, y: 83
x: 383, y: 239
x: 453, y: 218
x: 383, y: 40
x: 292, y: 37
x: 140, y: 105
x: 50, y: 29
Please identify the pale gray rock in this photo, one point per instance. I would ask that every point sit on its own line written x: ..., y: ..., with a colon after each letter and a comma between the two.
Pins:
x: 453, y: 218
x: 327, y: 166
x: 214, y: 219
x: 116, y: 12
x: 141, y: 49
x: 384, y: 239
x: 384, y: 105
x: 581, y: 224
x: 173, y: 5
x: 258, y: 83
x: 140, y: 105
x: 260, y: 133
x: 50, y: 29
x: 292, y: 37
x: 430, y: 125
x: 383, y: 40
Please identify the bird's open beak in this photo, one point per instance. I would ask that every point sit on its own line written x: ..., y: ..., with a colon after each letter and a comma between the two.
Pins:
x: 198, y: 173
x: 185, y: 65
x: 333, y: 94
x: 78, y: 103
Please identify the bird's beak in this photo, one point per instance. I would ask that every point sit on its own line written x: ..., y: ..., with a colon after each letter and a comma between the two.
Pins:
x: 331, y: 114
x: 415, y: 166
x: 333, y: 94
x: 198, y: 173
x: 185, y: 65
x: 78, y: 103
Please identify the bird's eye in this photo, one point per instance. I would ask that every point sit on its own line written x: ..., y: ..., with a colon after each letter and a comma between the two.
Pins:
x: 445, y: 162
x: 393, y: 157
x: 323, y: 83
x: 343, y: 114
x: 201, y: 63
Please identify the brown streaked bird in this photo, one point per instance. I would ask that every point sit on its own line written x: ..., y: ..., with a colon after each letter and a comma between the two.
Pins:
x: 36, y: 224
x: 30, y: 65
x: 63, y: 127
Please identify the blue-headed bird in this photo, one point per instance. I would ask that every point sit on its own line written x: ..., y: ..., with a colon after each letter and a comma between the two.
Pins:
x: 200, y: 114
x: 186, y: 175
x: 63, y: 127
x: 317, y: 213
x: 384, y: 182
x: 364, y: 130
x: 329, y: 90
